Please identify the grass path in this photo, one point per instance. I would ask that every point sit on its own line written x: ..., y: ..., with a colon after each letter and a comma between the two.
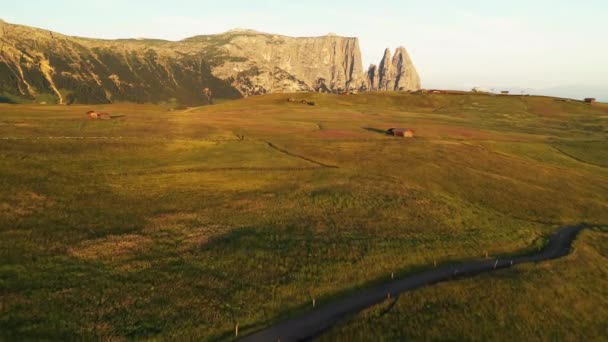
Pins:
x: 273, y: 146
x: 312, y: 323
x: 575, y: 158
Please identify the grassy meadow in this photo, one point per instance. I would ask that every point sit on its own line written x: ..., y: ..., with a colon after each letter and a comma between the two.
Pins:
x: 561, y: 300
x: 178, y: 225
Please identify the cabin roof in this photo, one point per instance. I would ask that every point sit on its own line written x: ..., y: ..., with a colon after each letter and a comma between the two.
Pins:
x: 400, y: 129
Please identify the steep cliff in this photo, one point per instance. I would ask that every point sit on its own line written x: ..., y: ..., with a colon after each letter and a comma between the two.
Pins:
x: 39, y: 65
x: 404, y: 75
x: 264, y: 63
x: 393, y: 74
x: 385, y: 72
x: 372, y: 79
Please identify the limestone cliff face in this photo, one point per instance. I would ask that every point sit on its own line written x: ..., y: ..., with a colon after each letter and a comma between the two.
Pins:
x: 39, y: 65
x: 404, y: 73
x: 372, y: 79
x: 263, y: 63
x: 393, y: 74
x: 386, y: 72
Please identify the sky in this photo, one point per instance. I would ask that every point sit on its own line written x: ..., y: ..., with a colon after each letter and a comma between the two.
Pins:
x: 539, y: 44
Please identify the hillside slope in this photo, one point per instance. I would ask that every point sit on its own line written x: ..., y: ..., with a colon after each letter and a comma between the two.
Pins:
x: 35, y: 63
x: 160, y: 225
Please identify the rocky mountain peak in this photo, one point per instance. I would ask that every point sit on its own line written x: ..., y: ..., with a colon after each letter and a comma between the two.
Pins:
x: 243, y: 30
x: 406, y: 76
x: 387, y: 53
x: 385, y: 71
x: 371, y: 78
x: 393, y: 74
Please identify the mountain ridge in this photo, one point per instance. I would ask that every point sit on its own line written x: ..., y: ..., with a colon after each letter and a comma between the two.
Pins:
x: 44, y: 66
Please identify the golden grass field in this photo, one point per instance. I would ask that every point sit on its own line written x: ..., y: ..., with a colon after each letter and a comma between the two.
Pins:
x: 179, y: 225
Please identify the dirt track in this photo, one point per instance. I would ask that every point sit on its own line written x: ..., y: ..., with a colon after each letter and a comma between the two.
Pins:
x: 310, y: 324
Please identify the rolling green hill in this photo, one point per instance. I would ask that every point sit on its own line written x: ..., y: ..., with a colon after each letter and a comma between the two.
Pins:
x: 180, y: 225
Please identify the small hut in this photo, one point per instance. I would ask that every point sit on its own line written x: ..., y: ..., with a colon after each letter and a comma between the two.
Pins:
x: 401, y: 132
x: 480, y: 90
x: 98, y: 115
x: 590, y: 100
x: 505, y: 92
x: 104, y: 116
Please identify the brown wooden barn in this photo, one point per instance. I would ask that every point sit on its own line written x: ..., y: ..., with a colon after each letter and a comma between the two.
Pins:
x: 401, y: 132
x: 590, y: 100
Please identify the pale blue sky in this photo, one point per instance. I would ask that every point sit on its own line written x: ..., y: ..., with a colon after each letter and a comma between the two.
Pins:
x: 531, y: 44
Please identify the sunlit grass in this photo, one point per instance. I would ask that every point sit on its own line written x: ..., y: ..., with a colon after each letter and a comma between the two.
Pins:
x: 178, y: 225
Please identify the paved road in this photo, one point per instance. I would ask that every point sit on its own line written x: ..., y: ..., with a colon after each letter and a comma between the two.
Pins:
x: 310, y: 324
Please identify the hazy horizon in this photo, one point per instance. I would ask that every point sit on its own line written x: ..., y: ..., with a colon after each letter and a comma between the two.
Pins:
x: 544, y: 45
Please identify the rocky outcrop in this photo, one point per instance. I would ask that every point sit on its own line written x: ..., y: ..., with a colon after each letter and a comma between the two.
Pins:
x: 372, y: 78
x: 405, y: 75
x: 386, y: 72
x: 393, y: 74
x: 43, y: 66
x: 266, y: 63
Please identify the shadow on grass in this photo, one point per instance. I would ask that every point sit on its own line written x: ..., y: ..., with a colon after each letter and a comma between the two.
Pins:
x: 4, y: 99
x: 375, y: 130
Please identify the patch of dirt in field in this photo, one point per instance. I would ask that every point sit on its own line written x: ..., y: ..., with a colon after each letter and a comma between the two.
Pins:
x: 185, y: 228
x: 22, y: 204
x: 115, y: 250
x: 199, y: 236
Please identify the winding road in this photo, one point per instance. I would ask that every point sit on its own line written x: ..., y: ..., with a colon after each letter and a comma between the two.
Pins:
x: 312, y: 323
